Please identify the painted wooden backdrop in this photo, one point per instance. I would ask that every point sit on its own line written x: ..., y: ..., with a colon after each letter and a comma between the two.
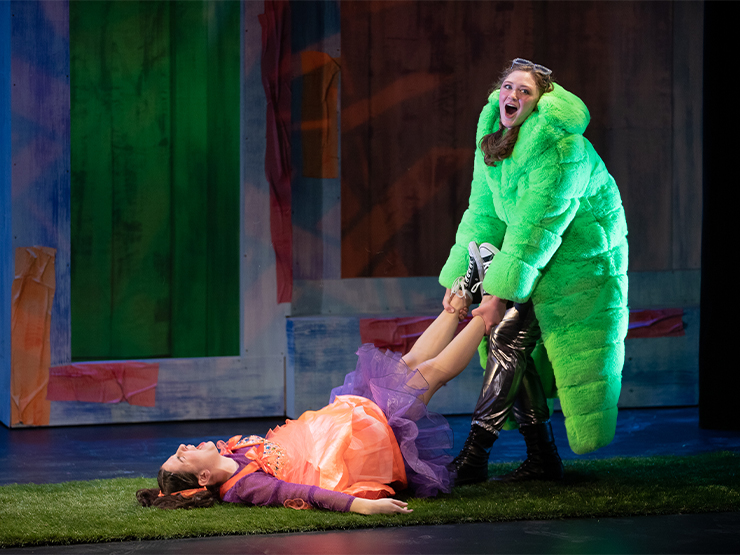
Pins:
x: 402, y: 79
x: 420, y: 72
x: 214, y: 136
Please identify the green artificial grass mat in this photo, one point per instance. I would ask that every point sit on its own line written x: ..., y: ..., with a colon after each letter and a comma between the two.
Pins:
x: 106, y: 510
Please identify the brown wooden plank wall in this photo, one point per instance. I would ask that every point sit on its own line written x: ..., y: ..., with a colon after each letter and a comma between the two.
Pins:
x: 416, y: 74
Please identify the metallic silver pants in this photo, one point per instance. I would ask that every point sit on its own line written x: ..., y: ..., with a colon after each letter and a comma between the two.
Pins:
x: 511, y: 383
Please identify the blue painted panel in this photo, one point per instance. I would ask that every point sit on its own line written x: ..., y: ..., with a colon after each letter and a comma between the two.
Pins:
x: 321, y: 351
x: 39, y: 42
x: 191, y: 389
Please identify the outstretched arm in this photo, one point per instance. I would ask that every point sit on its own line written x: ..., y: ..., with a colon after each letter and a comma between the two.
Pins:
x: 259, y: 488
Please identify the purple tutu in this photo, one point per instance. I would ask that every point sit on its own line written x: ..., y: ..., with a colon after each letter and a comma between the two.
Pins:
x: 425, y: 437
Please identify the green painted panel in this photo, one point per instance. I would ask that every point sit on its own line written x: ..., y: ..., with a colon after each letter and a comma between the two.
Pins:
x: 223, y: 151
x: 155, y: 183
x: 139, y: 68
x: 91, y: 177
x: 190, y: 179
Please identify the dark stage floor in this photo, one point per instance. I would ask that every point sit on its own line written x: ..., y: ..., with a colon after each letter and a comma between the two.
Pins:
x: 45, y: 455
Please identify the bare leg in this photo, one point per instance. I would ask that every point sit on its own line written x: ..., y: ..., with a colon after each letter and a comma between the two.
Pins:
x: 436, y: 337
x: 453, y: 359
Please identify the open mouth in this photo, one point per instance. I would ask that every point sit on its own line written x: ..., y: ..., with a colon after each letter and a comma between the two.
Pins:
x: 510, y: 110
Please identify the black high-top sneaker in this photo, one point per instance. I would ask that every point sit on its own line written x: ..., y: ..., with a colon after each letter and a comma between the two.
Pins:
x: 483, y: 257
x: 462, y: 286
x: 470, y: 285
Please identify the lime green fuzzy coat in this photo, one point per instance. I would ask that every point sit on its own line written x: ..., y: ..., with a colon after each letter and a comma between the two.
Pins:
x: 556, y: 214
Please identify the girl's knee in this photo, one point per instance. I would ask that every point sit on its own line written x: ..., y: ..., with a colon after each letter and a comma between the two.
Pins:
x: 433, y: 376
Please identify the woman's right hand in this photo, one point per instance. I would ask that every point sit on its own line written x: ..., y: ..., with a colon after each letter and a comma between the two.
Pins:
x: 492, y: 310
x: 384, y: 506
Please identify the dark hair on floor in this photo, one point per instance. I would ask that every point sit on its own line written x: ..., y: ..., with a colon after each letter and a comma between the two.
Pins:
x: 172, y: 482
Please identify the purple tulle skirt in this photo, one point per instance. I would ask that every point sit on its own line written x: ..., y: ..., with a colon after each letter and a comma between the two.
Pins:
x: 425, y: 437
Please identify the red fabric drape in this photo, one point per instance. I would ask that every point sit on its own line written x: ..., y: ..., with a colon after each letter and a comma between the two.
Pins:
x: 397, y: 334
x: 666, y: 322
x: 276, y: 53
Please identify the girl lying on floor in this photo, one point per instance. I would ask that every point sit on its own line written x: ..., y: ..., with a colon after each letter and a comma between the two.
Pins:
x: 375, y: 438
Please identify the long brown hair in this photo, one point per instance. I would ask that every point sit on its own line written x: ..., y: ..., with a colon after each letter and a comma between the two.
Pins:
x: 499, y: 145
x: 172, y: 482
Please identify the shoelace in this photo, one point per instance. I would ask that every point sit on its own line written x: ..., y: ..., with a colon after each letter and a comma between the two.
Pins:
x: 458, y: 288
x: 479, y: 285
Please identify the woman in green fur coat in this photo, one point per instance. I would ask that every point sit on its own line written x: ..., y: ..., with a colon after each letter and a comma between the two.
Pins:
x: 542, y: 197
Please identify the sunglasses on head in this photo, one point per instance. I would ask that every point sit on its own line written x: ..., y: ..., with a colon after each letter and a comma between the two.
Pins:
x: 521, y: 62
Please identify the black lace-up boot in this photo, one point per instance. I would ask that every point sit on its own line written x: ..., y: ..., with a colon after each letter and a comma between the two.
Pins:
x: 471, y: 465
x: 543, y: 461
